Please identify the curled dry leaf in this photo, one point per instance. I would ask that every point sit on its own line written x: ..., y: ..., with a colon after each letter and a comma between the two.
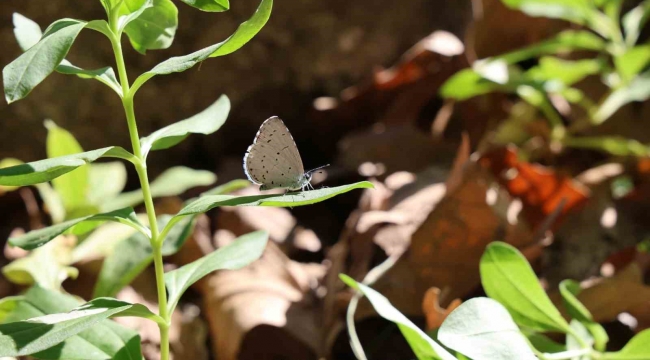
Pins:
x: 433, y: 312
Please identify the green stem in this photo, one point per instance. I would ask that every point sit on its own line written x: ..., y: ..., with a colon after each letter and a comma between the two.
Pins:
x: 141, y: 168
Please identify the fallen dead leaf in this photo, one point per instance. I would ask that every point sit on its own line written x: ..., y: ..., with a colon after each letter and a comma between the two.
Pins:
x: 433, y: 312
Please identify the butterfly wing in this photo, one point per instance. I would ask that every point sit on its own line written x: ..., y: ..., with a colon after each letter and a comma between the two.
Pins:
x: 273, y: 160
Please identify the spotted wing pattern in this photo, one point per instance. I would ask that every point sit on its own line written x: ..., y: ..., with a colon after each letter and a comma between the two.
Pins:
x: 273, y: 160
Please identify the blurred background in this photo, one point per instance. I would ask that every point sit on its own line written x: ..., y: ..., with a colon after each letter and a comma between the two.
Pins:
x: 360, y: 86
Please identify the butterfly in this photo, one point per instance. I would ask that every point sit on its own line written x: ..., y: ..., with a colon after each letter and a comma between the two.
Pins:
x: 273, y: 160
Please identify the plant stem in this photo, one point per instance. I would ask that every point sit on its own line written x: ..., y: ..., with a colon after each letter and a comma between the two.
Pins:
x: 141, y: 168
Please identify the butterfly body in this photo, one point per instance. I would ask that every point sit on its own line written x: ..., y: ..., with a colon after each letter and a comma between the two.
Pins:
x: 273, y: 160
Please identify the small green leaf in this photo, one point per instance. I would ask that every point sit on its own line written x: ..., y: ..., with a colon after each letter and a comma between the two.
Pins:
x: 632, y: 62
x: 73, y: 186
x: 577, y: 11
x: 105, y: 75
x: 155, y: 28
x: 5, y: 163
x: 508, y: 278
x: 105, y: 340
x: 466, y: 84
x: 243, y: 251
x: 543, y: 343
x: 637, y: 90
x: 36, y: 238
x: 244, y: 33
x: 634, y: 21
x: 569, y: 290
x: 636, y: 349
x: 27, y: 32
x: 209, y: 5
x: 565, y: 41
x: 422, y: 345
x: 481, y: 328
x: 106, y: 181
x: 579, y: 338
x: 565, y: 72
x: 37, y: 63
x: 132, y: 255
x: 47, y: 266
x: 206, y: 122
x: 40, y: 333
x: 228, y: 187
x: 173, y: 182
x: 49, y: 169
x: 130, y: 10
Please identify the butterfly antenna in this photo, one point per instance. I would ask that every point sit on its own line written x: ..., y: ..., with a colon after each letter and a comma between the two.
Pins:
x: 316, y: 169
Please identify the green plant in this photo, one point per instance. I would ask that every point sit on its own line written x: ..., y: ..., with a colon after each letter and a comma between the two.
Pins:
x: 48, y: 324
x: 620, y: 61
x: 511, y: 323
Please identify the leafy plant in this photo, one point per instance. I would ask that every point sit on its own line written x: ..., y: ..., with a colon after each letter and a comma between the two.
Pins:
x: 47, y: 324
x: 620, y: 60
x: 511, y: 323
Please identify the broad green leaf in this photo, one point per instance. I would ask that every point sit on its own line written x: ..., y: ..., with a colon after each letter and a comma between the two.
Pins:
x: 634, y: 21
x: 28, y: 33
x: 37, y: 63
x: 206, y: 122
x: 569, y: 290
x: 155, y: 28
x: 422, y: 345
x: 228, y: 187
x: 40, y: 333
x: 543, y: 343
x: 636, y: 349
x: 130, y: 10
x: 106, y: 181
x: 552, y: 71
x: 481, y: 328
x: 578, y: 339
x: 105, y: 340
x: 36, y: 238
x: 244, y: 33
x: 466, y: 84
x: 577, y: 11
x: 632, y: 62
x: 565, y: 41
x: 73, y: 186
x: 4, y: 163
x: 132, y: 255
x: 637, y: 90
x: 209, y: 5
x: 49, y: 169
x: 47, y: 266
x: 243, y: 251
x: 172, y: 182
x: 508, y: 278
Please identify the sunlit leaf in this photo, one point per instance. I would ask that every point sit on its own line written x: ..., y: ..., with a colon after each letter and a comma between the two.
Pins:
x: 209, y: 5
x: 155, y: 28
x: 637, y: 90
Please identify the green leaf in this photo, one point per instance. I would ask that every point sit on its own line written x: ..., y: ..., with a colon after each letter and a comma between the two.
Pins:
x: 106, y: 181
x: 552, y: 71
x: 28, y: 33
x: 47, y: 266
x: 244, y: 33
x: 422, y: 345
x: 481, y: 328
x: 543, y: 343
x: 155, y: 28
x: 206, y: 122
x: 636, y: 349
x: 569, y: 290
x: 132, y: 255
x: 101, y: 242
x: 508, y: 278
x: 130, y: 10
x: 565, y: 41
x: 49, y: 169
x: 209, y: 5
x: 36, y: 238
x: 632, y: 62
x: 52, y: 201
x: 228, y: 187
x: 105, y: 340
x: 73, y: 186
x: 571, y: 10
x: 637, y: 90
x: 4, y: 163
x: 37, y: 63
x: 579, y: 338
x: 634, y: 21
x: 466, y: 84
x: 173, y: 182
x: 40, y: 333
x: 243, y: 251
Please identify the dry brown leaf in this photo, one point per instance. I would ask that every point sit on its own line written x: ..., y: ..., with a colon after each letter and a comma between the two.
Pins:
x: 433, y: 312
